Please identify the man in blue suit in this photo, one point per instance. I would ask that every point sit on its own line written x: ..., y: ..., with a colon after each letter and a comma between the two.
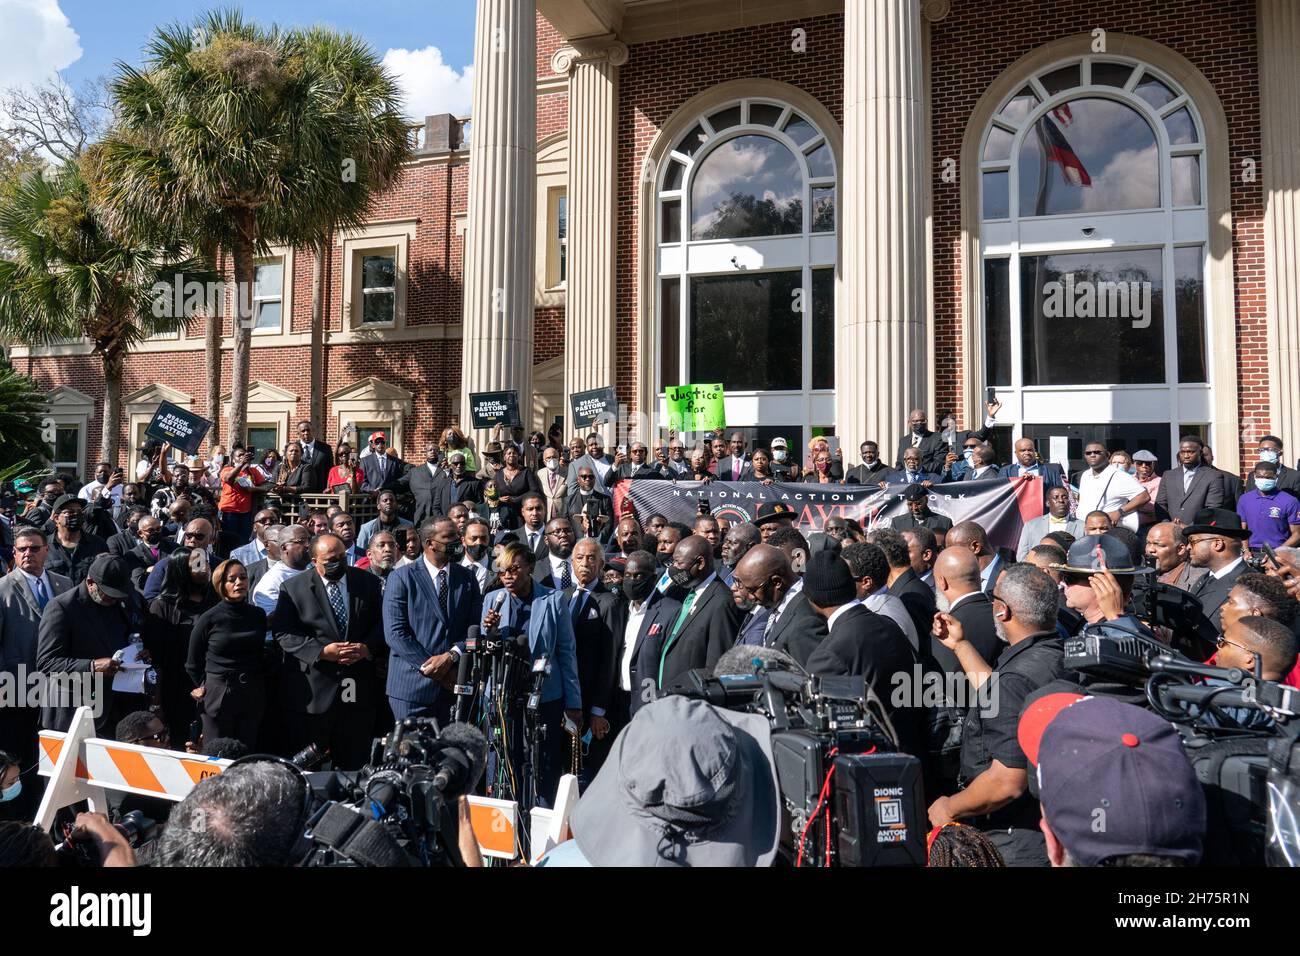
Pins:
x: 1027, y: 463
x: 429, y: 606
x: 525, y: 606
x: 911, y: 473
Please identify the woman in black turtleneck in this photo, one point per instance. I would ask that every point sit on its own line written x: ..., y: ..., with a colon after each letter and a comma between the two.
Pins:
x: 225, y: 659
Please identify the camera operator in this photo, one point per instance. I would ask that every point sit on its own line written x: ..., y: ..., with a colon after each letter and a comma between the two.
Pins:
x: 524, y: 606
x: 686, y: 784
x: 1244, y: 640
x: 994, y: 795
x: 1116, y: 788
x: 22, y: 844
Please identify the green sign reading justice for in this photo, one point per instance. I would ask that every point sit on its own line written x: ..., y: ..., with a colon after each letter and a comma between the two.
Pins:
x: 696, y: 408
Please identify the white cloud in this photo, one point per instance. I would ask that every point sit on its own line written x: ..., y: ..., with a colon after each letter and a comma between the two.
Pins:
x: 36, y: 41
x: 429, y: 85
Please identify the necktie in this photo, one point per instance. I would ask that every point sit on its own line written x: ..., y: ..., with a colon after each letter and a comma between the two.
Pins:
x: 42, y: 598
x: 578, y: 603
x: 682, y: 615
x: 767, y: 628
x: 566, y: 579
x: 383, y: 466
x: 532, y: 541
x: 1188, y: 475
x: 443, y: 597
x: 336, y: 605
x: 916, y: 440
x: 735, y: 469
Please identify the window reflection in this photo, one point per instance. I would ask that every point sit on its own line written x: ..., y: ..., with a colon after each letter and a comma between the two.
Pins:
x: 746, y: 332
x: 1089, y: 155
x: 1092, y: 317
x: 1189, y: 306
x: 749, y: 186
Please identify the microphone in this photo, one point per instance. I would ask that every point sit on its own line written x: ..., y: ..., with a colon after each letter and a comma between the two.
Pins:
x: 463, y: 688
x: 464, y: 758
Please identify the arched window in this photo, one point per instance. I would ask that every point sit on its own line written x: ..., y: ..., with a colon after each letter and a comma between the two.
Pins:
x: 1094, y: 236
x: 746, y: 264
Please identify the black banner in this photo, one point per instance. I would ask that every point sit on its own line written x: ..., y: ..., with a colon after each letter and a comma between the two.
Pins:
x: 1000, y: 505
x: 181, y: 429
x: 489, y: 408
x: 594, y: 407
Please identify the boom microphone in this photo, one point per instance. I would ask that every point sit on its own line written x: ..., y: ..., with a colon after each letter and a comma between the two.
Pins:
x: 464, y: 689
x: 464, y: 756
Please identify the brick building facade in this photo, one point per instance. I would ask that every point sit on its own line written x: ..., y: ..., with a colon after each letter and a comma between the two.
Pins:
x: 933, y: 285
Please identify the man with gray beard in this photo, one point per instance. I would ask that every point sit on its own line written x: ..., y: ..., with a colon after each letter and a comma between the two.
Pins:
x: 381, y: 555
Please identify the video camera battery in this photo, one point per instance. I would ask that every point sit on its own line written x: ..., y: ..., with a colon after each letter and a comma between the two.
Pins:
x: 879, y: 810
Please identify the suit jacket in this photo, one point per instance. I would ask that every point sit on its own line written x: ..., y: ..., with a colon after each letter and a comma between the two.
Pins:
x: 256, y: 571
x: 1212, y: 592
x: 725, y: 465
x: 862, y: 475
x: 122, y: 542
x: 918, y: 599
x: 303, y: 623
x: 798, y: 631
x: 20, y: 618
x: 433, y: 497
x: 934, y: 521
x: 416, y: 628
x: 873, y: 647
x: 573, y: 509
x: 707, y: 634
x: 660, y: 613
x: 541, y: 551
x: 597, y: 641
x: 975, y: 614
x: 550, y: 635
x: 900, y: 477
x: 319, y: 462
x: 554, y: 496
x: 1231, y: 485
x: 1050, y: 473
x: 933, y: 451
x: 1206, y: 491
x: 1036, y: 529
x: 395, y: 478
x: 75, y: 632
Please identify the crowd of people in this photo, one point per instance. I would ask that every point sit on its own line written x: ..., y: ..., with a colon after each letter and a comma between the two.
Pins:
x: 270, y: 624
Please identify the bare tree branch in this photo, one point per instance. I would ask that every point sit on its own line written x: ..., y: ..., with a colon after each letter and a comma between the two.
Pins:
x: 53, y: 119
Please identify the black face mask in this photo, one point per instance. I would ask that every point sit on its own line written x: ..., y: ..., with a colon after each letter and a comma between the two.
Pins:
x: 333, y: 570
x: 663, y: 559
x: 151, y: 537
x: 680, y: 577
x: 455, y: 551
x: 638, y: 589
x: 73, y: 522
x: 476, y: 551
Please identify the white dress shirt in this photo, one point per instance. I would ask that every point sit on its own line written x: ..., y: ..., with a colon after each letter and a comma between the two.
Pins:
x: 635, y: 615
x: 480, y: 568
x: 267, y: 593
x: 1225, y: 569
x: 557, y: 563
x: 838, y: 612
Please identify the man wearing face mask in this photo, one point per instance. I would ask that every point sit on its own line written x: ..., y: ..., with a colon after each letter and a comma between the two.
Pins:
x: 81, y: 631
x: 107, y: 485
x: 125, y: 540
x: 764, y: 578
x: 151, y: 548
x: 477, y: 542
x: 1272, y: 515
x: 72, y: 549
x: 709, y: 621
x: 329, y: 623
x: 41, y: 509
x: 669, y: 537
x: 872, y: 471
x: 648, y: 612
x: 429, y: 606
x: 1288, y: 479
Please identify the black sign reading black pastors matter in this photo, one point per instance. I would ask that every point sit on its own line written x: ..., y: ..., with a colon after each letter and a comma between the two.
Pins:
x: 489, y: 408
x: 179, y: 428
x: 594, y: 407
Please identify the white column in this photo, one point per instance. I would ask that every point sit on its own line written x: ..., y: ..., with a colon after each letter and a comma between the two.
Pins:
x: 589, y: 320
x: 1279, y: 89
x: 881, y: 307
x: 500, y: 243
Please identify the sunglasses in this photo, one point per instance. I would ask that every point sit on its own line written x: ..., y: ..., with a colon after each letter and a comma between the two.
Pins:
x: 1220, y: 642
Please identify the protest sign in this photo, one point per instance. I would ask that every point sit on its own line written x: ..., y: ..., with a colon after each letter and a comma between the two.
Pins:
x: 489, y: 408
x: 181, y: 429
x: 595, y: 407
x: 696, y: 408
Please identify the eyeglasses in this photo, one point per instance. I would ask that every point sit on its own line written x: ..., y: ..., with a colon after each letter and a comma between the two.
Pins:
x: 970, y: 446
x: 1221, y: 641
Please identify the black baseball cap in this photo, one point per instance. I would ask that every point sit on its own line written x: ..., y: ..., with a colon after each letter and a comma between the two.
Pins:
x: 112, y: 574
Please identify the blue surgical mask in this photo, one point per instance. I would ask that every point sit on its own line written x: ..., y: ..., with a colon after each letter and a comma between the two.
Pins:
x: 1268, y: 454
x: 11, y: 793
x: 1266, y: 485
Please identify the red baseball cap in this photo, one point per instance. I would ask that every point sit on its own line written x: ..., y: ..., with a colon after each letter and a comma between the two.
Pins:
x: 378, y: 436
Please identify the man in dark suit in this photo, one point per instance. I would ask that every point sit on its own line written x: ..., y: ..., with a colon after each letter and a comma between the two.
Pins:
x: 429, y: 607
x: 1191, y: 487
x: 707, y: 625
x: 1230, y: 483
x: 594, y: 610
x: 1215, y: 538
x: 764, y: 578
x: 151, y: 549
x: 382, y: 471
x: 79, y: 633
x: 732, y: 466
x: 1028, y: 463
x: 919, y: 514
x: 905, y: 584
x: 971, y: 535
x: 465, y: 488
x: 859, y: 643
x: 126, y: 539
x: 591, y: 512
x: 957, y: 578
x: 329, y: 623
x: 912, y: 471
x: 933, y: 449
x: 872, y: 471
x: 431, y: 486
x: 316, y: 456
x: 532, y: 532
x: 657, y: 613
x: 636, y: 466
x: 25, y: 592
x: 1288, y: 479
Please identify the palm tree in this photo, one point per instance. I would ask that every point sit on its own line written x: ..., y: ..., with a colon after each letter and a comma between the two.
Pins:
x: 238, y: 136
x: 22, y: 407
x: 67, y: 275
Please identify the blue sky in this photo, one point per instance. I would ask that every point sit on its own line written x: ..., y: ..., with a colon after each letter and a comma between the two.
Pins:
x: 427, y: 44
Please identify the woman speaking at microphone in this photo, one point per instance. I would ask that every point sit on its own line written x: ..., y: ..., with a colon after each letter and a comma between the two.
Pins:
x: 525, y: 606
